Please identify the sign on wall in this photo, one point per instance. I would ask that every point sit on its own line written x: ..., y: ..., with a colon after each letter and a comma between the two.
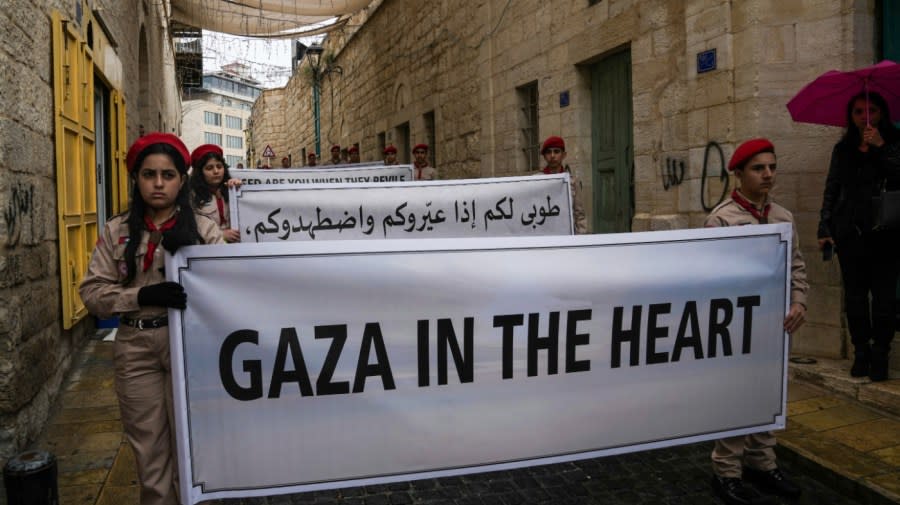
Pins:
x: 507, y: 206
x: 336, y: 364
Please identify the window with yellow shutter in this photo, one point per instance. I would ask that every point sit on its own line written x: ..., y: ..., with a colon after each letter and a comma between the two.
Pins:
x: 76, y: 159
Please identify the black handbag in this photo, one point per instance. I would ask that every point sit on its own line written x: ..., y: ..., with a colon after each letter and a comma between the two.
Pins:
x: 886, y: 208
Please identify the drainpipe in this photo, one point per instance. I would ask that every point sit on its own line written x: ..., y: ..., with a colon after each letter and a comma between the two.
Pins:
x: 316, y: 125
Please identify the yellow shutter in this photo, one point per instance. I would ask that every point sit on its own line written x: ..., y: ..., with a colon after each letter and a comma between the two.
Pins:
x: 119, y: 143
x: 73, y: 96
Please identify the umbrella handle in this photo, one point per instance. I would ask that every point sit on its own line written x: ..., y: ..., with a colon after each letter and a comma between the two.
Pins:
x: 866, y: 86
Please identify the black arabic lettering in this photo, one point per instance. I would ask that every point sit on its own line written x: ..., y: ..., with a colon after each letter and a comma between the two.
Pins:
x: 370, y: 222
x: 501, y: 212
x: 389, y: 220
x: 261, y: 226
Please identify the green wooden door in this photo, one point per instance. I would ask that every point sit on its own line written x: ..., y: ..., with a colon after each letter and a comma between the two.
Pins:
x: 611, y: 136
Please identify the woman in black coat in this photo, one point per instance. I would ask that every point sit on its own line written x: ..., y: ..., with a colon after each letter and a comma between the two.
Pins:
x: 866, y: 158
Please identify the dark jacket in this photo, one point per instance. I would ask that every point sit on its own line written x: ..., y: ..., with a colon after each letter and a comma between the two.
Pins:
x: 853, y: 179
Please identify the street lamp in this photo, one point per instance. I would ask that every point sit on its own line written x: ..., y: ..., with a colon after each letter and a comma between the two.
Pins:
x: 313, y: 54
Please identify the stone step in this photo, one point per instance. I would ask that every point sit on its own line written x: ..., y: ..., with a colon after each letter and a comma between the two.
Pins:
x: 834, y: 375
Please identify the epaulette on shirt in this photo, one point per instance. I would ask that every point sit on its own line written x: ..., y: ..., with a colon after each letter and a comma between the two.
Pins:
x: 717, y: 207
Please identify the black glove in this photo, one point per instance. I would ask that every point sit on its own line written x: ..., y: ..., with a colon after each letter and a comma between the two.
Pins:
x: 164, y: 294
x: 175, y: 238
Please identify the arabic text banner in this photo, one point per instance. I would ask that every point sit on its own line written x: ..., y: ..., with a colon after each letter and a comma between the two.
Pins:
x: 333, y: 174
x: 318, y: 365
x: 508, y: 206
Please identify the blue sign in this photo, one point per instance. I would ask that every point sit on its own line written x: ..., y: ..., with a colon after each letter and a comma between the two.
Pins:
x: 563, y: 99
x: 706, y: 61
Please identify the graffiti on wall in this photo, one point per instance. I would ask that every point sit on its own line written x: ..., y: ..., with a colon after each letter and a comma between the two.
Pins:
x: 673, y: 172
x: 18, y: 211
x: 718, y: 172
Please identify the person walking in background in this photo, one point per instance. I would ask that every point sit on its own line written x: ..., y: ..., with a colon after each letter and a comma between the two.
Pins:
x: 125, y: 277
x: 209, y: 188
x: 554, y: 152
x: 423, y: 171
x: 754, y: 164
x: 865, y: 159
x: 390, y: 155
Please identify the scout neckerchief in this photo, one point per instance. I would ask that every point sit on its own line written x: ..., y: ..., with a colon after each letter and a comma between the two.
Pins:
x: 419, y: 169
x: 548, y: 170
x: 156, y: 236
x: 762, y: 217
x: 220, y: 204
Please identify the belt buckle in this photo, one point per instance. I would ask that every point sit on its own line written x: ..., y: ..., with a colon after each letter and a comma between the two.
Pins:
x: 140, y: 324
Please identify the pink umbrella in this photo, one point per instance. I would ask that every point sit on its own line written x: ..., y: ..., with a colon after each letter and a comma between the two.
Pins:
x: 824, y: 101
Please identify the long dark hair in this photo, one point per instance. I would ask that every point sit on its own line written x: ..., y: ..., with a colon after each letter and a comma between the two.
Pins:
x: 853, y: 138
x: 198, y: 184
x: 185, y: 224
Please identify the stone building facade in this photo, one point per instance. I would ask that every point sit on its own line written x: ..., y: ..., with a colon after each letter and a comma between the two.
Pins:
x: 100, y: 71
x: 218, y: 112
x: 270, y: 114
x: 625, y: 82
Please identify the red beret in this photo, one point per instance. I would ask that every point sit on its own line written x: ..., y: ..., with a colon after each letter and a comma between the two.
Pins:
x: 748, y: 150
x: 311, y: 155
x: 553, y: 142
x: 390, y: 149
x: 335, y: 148
x: 156, y: 138
x: 202, y: 151
x: 424, y: 147
x: 353, y: 149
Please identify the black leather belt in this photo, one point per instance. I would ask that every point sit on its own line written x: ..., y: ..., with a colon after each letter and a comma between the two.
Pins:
x: 143, y: 324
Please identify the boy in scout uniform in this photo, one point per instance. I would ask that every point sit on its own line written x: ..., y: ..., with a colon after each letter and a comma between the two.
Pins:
x: 423, y: 171
x: 335, y: 155
x: 390, y: 155
x: 125, y: 278
x: 754, y: 165
x: 353, y: 152
x: 554, y: 152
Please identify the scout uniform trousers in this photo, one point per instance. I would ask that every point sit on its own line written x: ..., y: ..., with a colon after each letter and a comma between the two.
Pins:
x: 756, y: 450
x: 144, y: 388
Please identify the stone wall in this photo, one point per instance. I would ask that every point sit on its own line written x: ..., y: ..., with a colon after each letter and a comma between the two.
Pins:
x: 36, y: 351
x: 268, y: 119
x: 464, y: 60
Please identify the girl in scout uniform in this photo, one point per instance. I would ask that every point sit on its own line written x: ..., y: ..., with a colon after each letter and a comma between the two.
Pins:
x: 209, y: 187
x: 754, y: 165
x: 125, y: 277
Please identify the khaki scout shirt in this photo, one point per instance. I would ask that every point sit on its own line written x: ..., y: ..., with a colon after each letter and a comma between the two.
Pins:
x: 729, y: 213
x: 102, y: 290
x: 426, y: 173
x: 577, y: 207
x: 578, y: 214
x: 211, y: 210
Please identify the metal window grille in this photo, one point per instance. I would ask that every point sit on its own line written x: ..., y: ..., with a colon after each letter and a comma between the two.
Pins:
x: 528, y: 117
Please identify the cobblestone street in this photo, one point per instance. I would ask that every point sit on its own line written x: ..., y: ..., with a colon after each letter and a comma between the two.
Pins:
x: 676, y: 476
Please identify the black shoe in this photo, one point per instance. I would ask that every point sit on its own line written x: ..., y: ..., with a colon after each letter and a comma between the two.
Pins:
x: 860, y: 366
x: 773, y: 482
x: 878, y: 364
x: 878, y: 369
x: 733, y: 492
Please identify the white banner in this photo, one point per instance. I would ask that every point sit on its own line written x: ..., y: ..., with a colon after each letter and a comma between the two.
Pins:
x: 320, y: 365
x: 333, y: 174
x: 507, y: 206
